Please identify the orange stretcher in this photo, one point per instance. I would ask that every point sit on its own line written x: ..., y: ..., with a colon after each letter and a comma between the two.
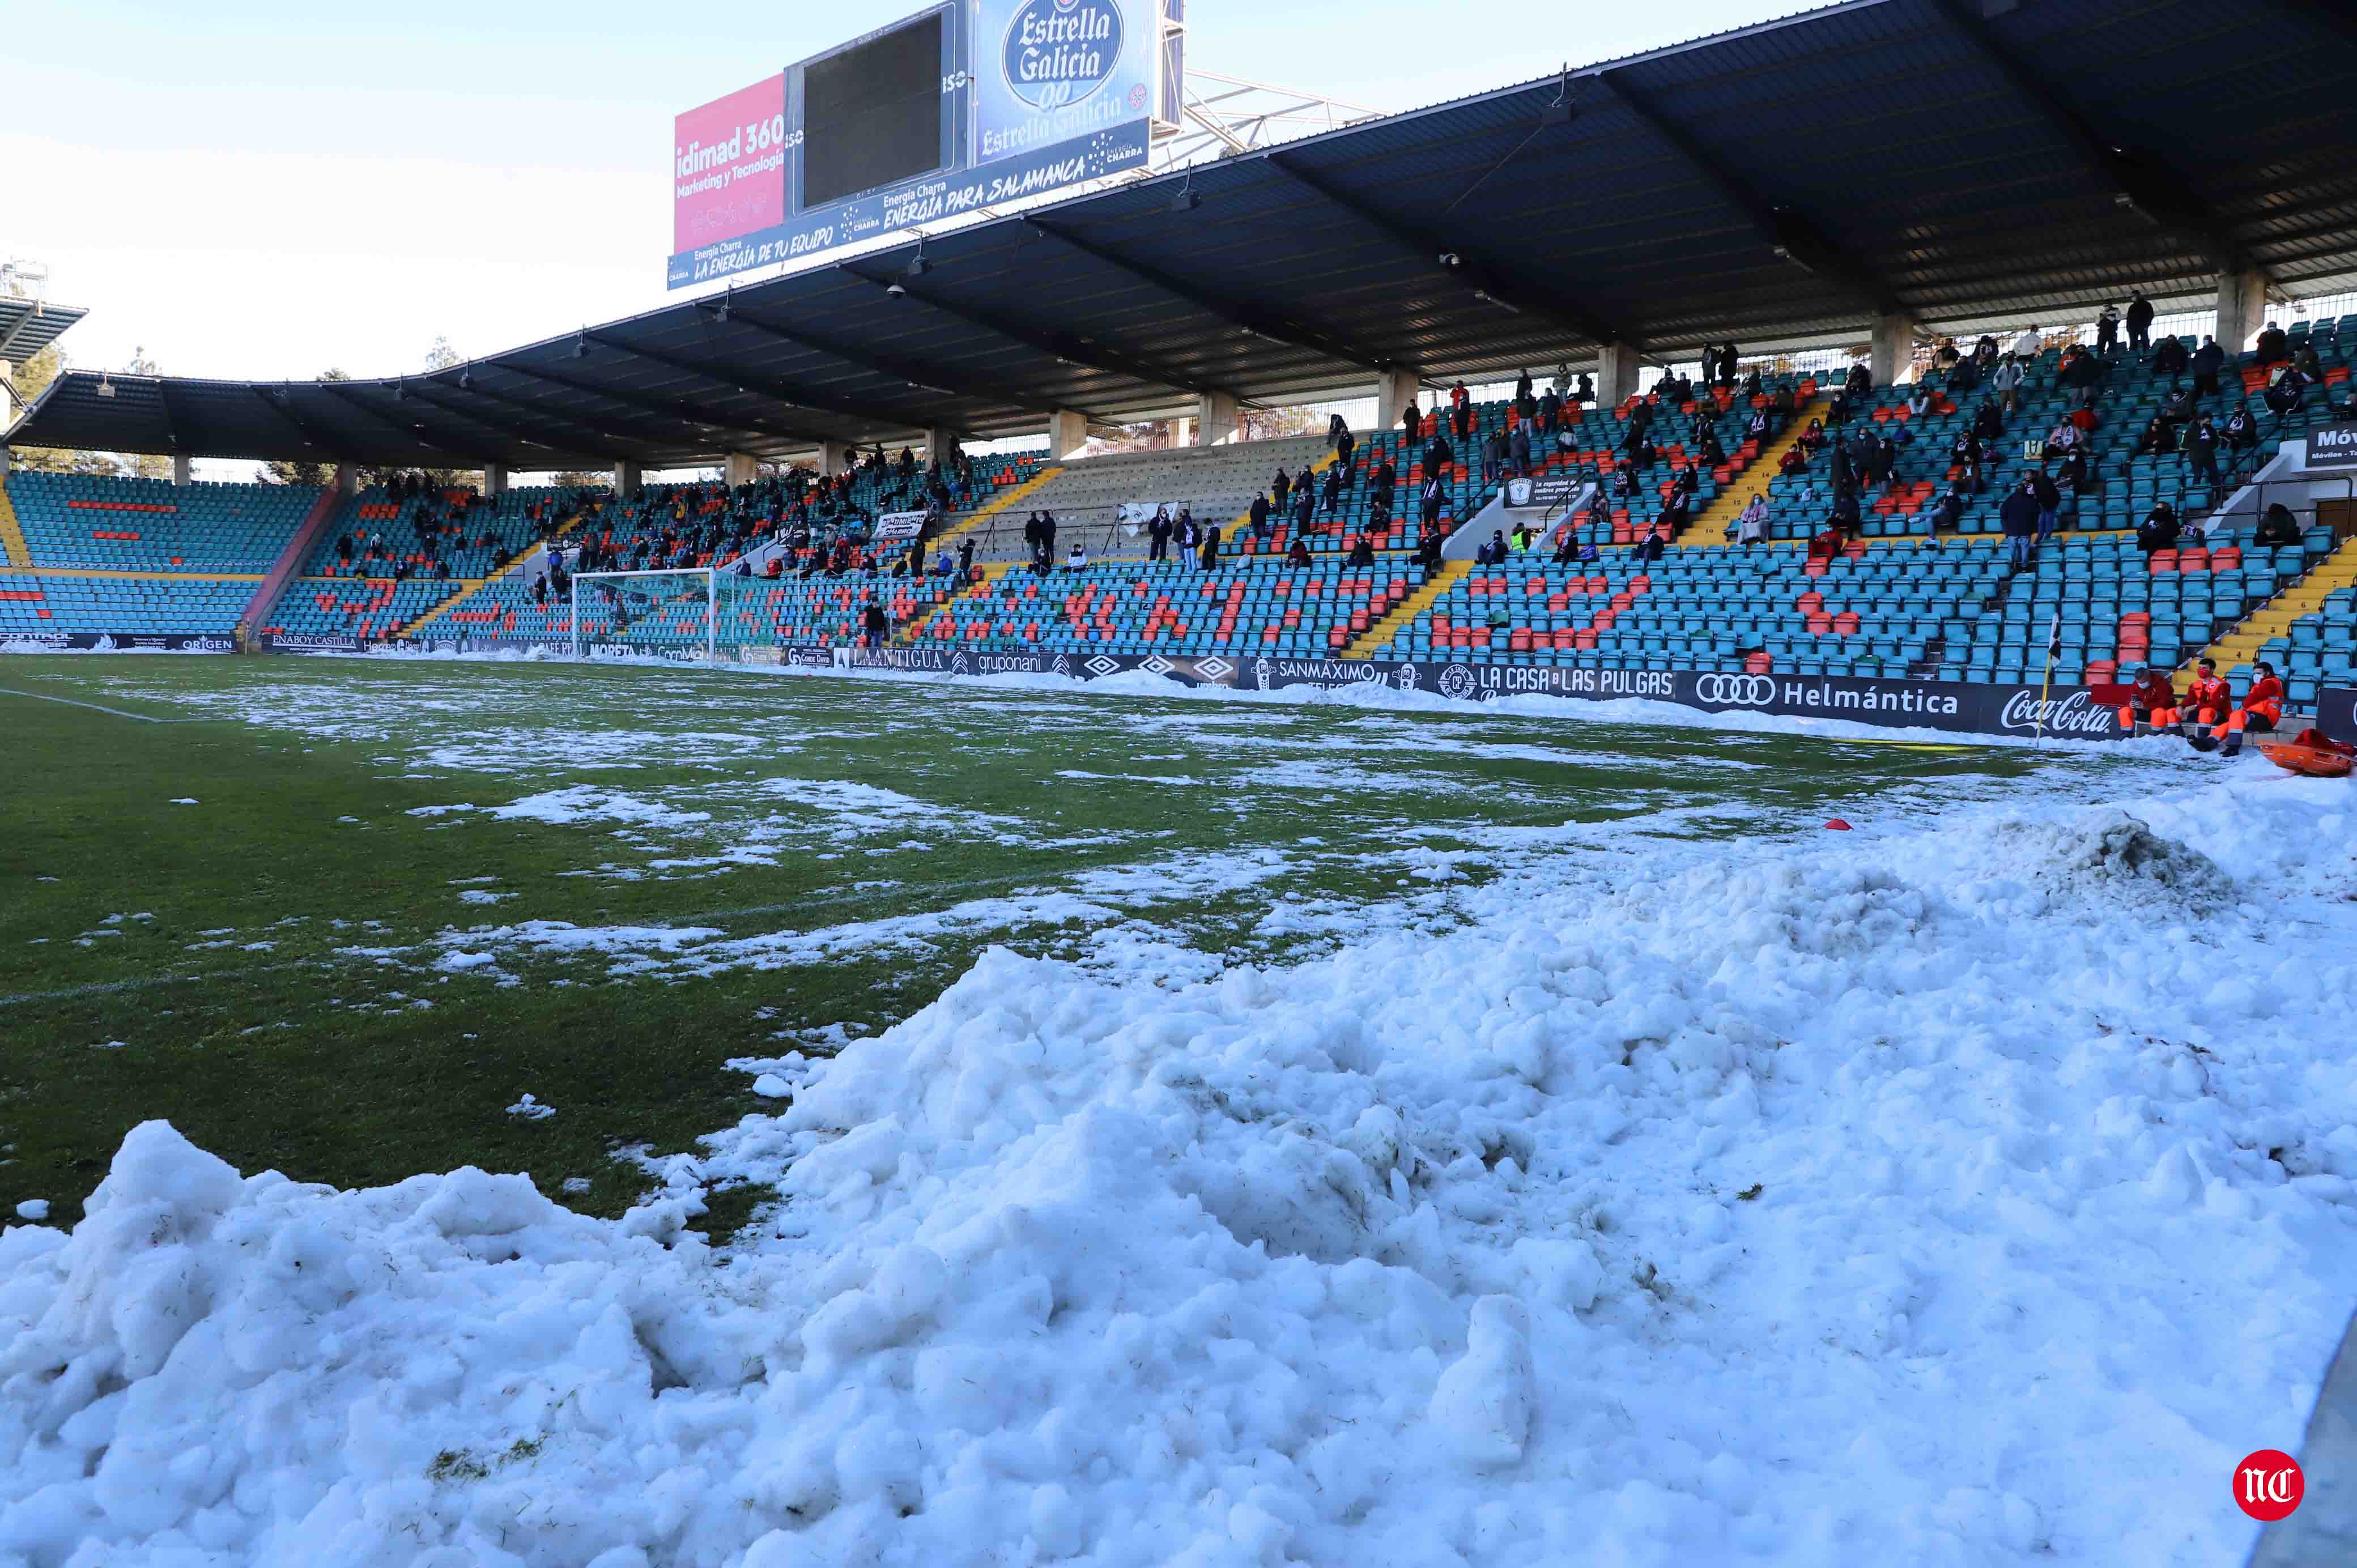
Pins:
x: 2325, y: 761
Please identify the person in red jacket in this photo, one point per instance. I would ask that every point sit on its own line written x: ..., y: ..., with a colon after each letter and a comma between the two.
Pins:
x: 2209, y: 700
x: 2261, y: 709
x: 2151, y: 701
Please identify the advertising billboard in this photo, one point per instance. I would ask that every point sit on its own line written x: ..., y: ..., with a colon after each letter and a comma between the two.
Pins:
x: 962, y: 106
x: 728, y: 162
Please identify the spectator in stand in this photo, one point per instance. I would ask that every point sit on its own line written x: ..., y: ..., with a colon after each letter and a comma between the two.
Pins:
x: 2241, y: 429
x: 2157, y: 437
x: 1675, y: 513
x: 1345, y: 445
x: 1653, y: 546
x: 2202, y: 452
x: 1077, y: 559
x: 1518, y: 449
x: 2277, y: 529
x: 2049, y: 503
x: 1280, y: 490
x: 2005, y: 380
x: 1813, y: 439
x: 1411, y: 426
x: 1257, y: 514
x: 1331, y: 499
x: 2026, y: 347
x: 2169, y: 359
x: 1948, y: 512
x: 1210, y: 557
x: 2159, y: 530
x: 2273, y: 347
x: 1492, y: 551
x: 873, y: 624
x: 2139, y: 323
x: 1828, y: 543
x: 1729, y: 362
x: 1989, y: 423
x: 965, y: 560
x: 2206, y: 362
x: 1752, y: 525
x: 1436, y: 495
x: 2107, y: 330
x: 1919, y: 402
x: 1157, y: 534
x: 2285, y: 397
x: 1305, y: 504
x: 1297, y: 554
x: 2018, y: 516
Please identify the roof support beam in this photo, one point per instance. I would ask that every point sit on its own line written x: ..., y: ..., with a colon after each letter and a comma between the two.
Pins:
x: 1796, y: 236
x: 921, y: 377
x: 2156, y: 191
x: 753, y: 384
x: 350, y: 396
x: 707, y: 424
x: 1244, y: 318
x: 171, y: 425
x: 1056, y: 346
x: 530, y: 416
x: 280, y: 401
x: 1489, y: 280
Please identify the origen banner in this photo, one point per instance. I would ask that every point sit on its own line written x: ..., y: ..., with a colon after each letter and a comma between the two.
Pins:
x: 729, y: 168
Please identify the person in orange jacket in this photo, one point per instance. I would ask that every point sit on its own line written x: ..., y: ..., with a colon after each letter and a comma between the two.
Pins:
x: 2261, y: 708
x: 2151, y: 701
x: 2210, y: 699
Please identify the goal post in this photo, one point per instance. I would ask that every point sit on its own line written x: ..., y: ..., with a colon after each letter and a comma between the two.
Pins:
x: 698, y: 614
x: 646, y: 614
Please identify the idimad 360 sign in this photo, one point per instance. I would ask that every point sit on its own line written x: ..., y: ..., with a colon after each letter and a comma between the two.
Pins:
x: 1054, y: 73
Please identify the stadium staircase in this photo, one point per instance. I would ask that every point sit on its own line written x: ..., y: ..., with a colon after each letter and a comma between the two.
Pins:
x: 916, y: 630
x: 290, y: 560
x: 1717, y: 519
x: 982, y: 514
x: 2305, y: 596
x: 1379, y: 636
x: 13, y: 551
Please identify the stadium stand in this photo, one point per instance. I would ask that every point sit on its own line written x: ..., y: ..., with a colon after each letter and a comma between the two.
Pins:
x: 35, y: 605
x: 151, y: 525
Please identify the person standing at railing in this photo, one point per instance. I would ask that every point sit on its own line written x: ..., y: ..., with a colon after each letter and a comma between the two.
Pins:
x: 2202, y: 452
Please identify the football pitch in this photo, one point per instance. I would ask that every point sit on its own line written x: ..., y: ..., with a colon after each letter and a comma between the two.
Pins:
x: 338, y: 916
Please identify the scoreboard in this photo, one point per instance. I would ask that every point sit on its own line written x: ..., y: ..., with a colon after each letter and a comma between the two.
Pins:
x: 965, y: 104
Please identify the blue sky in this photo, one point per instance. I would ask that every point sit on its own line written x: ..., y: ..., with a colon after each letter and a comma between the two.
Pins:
x: 267, y: 189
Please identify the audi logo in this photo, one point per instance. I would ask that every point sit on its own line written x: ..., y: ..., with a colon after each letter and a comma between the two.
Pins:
x: 1736, y: 691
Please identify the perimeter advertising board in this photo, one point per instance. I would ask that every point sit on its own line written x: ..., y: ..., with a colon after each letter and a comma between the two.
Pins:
x: 959, y: 107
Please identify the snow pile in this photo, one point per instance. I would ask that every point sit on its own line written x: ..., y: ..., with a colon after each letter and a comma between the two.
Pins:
x: 1768, y: 1203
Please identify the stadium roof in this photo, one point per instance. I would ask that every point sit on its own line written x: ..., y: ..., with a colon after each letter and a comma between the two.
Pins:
x: 1959, y: 162
x: 29, y: 326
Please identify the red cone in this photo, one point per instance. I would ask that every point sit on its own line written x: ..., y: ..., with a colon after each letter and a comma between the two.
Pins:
x: 1838, y: 826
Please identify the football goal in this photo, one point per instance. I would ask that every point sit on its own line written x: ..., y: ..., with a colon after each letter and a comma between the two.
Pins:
x: 691, y: 614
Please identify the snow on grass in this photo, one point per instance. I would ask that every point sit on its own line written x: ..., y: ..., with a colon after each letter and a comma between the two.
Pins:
x: 532, y: 1110
x: 1719, y: 1201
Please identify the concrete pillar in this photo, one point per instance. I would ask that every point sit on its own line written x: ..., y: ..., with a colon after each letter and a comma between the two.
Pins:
x: 1068, y: 431
x: 833, y: 458
x: 4, y: 462
x: 1616, y: 374
x: 1215, y: 419
x: 347, y: 481
x: 1182, y: 431
x: 743, y: 469
x: 1894, y: 347
x: 626, y: 477
x: 1395, y: 390
x: 2241, y: 308
x: 495, y: 481
x: 181, y: 469
x: 939, y: 442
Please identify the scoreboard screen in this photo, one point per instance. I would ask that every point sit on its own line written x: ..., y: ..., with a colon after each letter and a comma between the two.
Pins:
x: 872, y: 114
x: 966, y: 104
